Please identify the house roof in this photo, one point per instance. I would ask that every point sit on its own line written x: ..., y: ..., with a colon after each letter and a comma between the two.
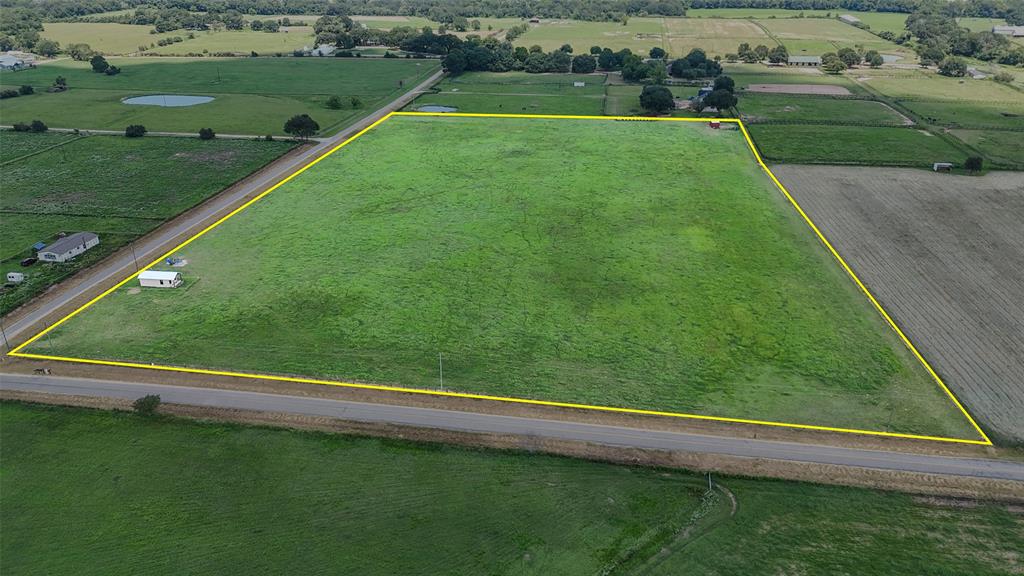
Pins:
x: 158, y: 275
x: 1010, y: 30
x: 816, y: 59
x: 68, y: 242
x: 8, y: 60
x: 849, y: 18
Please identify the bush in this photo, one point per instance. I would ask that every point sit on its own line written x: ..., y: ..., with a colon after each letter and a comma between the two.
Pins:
x: 4, y: 94
x: 206, y: 134
x: 38, y: 126
x: 269, y: 137
x: 334, y: 102
x: 355, y: 102
x: 135, y: 131
x: 656, y: 99
x: 147, y: 405
x: 1003, y: 77
x: 974, y: 163
x: 112, y: 71
x: 21, y: 127
x: 25, y: 89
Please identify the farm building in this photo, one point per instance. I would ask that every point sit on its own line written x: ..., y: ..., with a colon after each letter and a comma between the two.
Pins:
x: 323, y: 50
x: 159, y: 279
x: 15, y: 277
x: 804, y: 61
x: 1015, y: 31
x: 68, y: 247
x: 8, y: 62
x: 942, y: 166
x: 849, y: 19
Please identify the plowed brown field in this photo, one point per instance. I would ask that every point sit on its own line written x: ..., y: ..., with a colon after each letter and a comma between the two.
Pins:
x: 945, y: 256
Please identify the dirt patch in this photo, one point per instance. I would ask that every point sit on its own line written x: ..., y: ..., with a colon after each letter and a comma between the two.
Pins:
x: 818, y: 89
x: 944, y: 255
x: 135, y: 290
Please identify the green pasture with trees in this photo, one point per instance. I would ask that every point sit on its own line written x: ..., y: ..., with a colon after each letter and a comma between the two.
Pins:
x: 119, y: 188
x: 196, y: 497
x: 543, y: 267
x: 251, y: 95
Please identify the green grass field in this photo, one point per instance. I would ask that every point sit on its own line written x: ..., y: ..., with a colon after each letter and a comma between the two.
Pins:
x: 756, y: 13
x: 760, y: 107
x: 816, y: 36
x: 822, y: 144
x: 252, y: 95
x: 518, y: 93
x: 117, y: 187
x: 242, y: 42
x: 639, y: 35
x: 91, y: 490
x: 104, y: 37
x: 18, y: 145
x: 540, y: 265
x: 1000, y: 148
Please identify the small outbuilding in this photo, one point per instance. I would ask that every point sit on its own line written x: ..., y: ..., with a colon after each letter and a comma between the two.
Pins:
x: 159, y: 279
x: 15, y: 277
x: 942, y: 166
x: 812, y: 61
x: 323, y: 50
x: 715, y: 124
x: 68, y: 247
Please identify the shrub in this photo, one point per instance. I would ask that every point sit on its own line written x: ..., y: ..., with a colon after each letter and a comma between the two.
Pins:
x: 334, y: 102
x: 135, y: 131
x: 206, y: 134
x: 269, y: 137
x: 112, y: 71
x: 355, y: 102
x: 21, y: 127
x: 26, y: 89
x: 974, y: 163
x: 1003, y: 77
x: 4, y: 94
x: 38, y: 126
x: 147, y: 405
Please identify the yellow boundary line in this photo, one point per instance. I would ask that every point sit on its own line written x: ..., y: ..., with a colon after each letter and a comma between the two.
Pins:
x: 892, y: 324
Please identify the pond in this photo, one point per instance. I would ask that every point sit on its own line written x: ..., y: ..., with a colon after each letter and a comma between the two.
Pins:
x: 434, y: 108
x: 168, y: 100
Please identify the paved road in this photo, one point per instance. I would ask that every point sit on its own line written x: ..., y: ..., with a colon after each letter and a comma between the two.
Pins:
x: 490, y: 423
x: 154, y: 245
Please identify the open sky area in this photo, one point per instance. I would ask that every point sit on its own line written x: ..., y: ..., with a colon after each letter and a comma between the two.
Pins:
x: 538, y: 266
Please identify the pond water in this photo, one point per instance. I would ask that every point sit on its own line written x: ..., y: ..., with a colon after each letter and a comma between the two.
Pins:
x: 433, y: 108
x: 168, y: 100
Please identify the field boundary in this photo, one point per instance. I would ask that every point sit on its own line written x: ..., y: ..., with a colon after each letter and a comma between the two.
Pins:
x: 985, y: 441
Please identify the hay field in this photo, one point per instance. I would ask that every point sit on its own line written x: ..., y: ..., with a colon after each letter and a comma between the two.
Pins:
x: 540, y: 261
x: 815, y: 36
x: 945, y: 255
x: 715, y: 36
x: 104, y: 37
x: 639, y: 35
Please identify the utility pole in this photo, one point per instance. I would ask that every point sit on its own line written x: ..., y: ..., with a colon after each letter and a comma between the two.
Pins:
x: 132, y: 245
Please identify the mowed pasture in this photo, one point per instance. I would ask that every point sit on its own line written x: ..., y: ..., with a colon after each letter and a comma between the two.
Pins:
x: 639, y: 35
x: 78, y: 490
x: 1001, y: 149
x: 715, y: 36
x: 764, y: 107
x: 104, y: 37
x: 241, y: 42
x: 118, y: 188
x: 534, y: 263
x: 871, y: 145
x: 815, y: 36
x: 518, y: 93
x: 251, y: 95
x: 945, y: 254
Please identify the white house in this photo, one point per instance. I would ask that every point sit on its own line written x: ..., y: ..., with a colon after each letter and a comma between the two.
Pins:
x: 159, y: 279
x: 1015, y: 31
x: 68, y: 247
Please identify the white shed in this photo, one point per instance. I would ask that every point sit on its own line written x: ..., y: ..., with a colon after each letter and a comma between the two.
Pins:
x: 159, y: 279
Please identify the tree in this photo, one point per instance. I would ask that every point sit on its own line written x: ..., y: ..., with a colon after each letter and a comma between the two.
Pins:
x: 334, y: 102
x: 25, y: 89
x: 206, y: 134
x: 679, y: 68
x: 656, y: 99
x: 1002, y: 78
x: 112, y: 71
x: 583, y: 64
x: 355, y: 102
x: 873, y: 58
x: 135, y: 131
x: 37, y: 126
x: 536, y: 49
x: 725, y: 83
x: 301, y: 125
x: 973, y: 164
x: 147, y: 405
x: 634, y: 69
x: 720, y: 99
x: 778, y: 55
x: 454, y: 63
x: 99, y: 63
x: 47, y: 47
x: 566, y: 48
x: 849, y: 56
x: 475, y: 24
x: 607, y: 60
x: 952, y: 66
x: 80, y: 52
x: 761, y: 51
x: 595, y: 50
x: 657, y: 53
x: 832, y: 64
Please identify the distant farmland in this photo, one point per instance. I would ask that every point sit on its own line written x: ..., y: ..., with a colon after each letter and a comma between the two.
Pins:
x: 533, y: 263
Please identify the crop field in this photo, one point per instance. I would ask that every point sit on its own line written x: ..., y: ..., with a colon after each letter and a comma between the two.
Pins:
x: 714, y: 36
x: 251, y: 95
x: 241, y: 42
x: 756, y: 13
x: 195, y: 497
x: 759, y: 107
x: 105, y: 37
x: 542, y: 268
x: 945, y: 254
x: 116, y: 187
x: 854, y: 145
x: 518, y: 93
x: 14, y: 145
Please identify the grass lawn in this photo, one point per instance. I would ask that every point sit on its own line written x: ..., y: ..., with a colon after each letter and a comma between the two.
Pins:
x: 104, y: 37
x: 519, y: 93
x: 117, y: 187
x: 755, y: 106
x: 624, y: 99
x: 540, y: 265
x: 816, y: 36
x: 252, y: 95
x: 89, y: 490
x: 746, y: 74
x: 639, y: 35
x: 241, y: 42
x: 853, y: 145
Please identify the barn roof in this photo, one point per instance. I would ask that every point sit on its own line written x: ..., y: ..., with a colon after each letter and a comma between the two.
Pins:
x: 158, y: 275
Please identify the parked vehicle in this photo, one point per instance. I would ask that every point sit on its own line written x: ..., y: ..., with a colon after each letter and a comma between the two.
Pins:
x: 29, y: 261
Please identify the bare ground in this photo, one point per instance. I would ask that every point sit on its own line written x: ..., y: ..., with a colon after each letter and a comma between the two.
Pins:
x: 820, y: 89
x: 944, y: 254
